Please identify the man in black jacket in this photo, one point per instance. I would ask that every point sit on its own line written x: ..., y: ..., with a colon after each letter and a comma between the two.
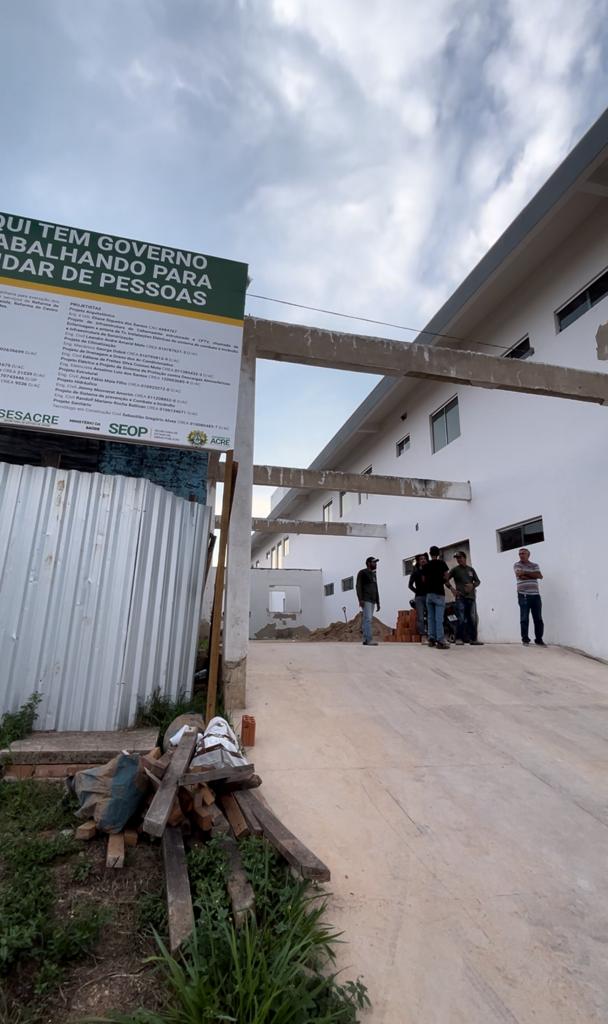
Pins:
x: 417, y: 583
x: 367, y: 592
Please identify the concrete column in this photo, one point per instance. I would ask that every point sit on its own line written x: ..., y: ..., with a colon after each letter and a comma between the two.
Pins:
x: 236, y: 610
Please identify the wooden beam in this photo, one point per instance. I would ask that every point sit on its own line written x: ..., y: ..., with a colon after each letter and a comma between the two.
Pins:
x: 249, y: 815
x: 312, y: 346
x: 194, y: 778
x: 228, y: 476
x: 240, y: 890
x: 162, y: 803
x: 233, y: 812
x: 115, y: 857
x: 177, y: 884
x: 359, y: 483
x: 294, y: 851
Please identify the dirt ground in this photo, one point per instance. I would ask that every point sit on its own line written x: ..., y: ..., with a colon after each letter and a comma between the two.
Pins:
x: 113, y: 976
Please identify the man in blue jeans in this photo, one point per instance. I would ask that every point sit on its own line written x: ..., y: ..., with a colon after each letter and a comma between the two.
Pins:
x: 367, y: 592
x: 528, y: 574
x: 435, y: 578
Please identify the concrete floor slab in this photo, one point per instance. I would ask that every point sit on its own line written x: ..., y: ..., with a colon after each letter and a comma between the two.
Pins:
x: 74, y: 747
x: 459, y: 799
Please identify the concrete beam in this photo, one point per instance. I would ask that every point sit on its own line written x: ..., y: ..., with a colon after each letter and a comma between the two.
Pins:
x: 340, y: 529
x: 357, y: 483
x: 313, y: 346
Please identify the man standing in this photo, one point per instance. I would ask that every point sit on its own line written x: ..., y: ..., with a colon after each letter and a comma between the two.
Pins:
x: 436, y: 577
x: 418, y: 585
x: 367, y: 592
x: 528, y: 574
x: 466, y: 582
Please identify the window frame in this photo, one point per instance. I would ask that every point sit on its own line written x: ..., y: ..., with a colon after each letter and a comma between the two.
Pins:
x: 523, y: 541
x: 348, y: 579
x: 530, y: 351
x: 404, y: 565
x: 326, y: 513
x: 406, y: 438
x: 341, y: 497
x: 582, y: 293
x: 433, y: 417
x: 286, y: 546
x: 328, y: 590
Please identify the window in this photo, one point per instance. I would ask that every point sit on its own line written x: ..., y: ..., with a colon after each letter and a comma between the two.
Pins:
x: 286, y: 546
x: 348, y: 583
x: 521, y: 350
x: 280, y: 555
x: 403, y: 445
x: 328, y: 589
x: 327, y: 512
x: 408, y: 565
x: 521, y: 535
x: 273, y: 558
x: 284, y: 600
x: 341, y: 498
x: 445, y: 425
x: 589, y: 296
x: 268, y: 554
x: 366, y: 472
x: 257, y: 565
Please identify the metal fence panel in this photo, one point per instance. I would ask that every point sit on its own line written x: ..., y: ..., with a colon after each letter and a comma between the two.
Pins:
x: 100, y: 590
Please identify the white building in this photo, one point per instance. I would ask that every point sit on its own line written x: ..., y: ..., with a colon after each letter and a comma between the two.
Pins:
x: 538, y: 467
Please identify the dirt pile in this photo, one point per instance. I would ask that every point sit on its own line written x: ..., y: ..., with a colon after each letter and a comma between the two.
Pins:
x: 349, y: 632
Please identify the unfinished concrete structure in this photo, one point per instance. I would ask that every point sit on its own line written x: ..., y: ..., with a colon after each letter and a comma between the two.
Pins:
x: 536, y: 466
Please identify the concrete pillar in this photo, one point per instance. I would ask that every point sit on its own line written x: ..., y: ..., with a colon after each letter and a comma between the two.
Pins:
x: 236, y: 610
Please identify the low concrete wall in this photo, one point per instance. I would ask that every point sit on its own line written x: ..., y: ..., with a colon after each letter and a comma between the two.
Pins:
x: 285, y: 599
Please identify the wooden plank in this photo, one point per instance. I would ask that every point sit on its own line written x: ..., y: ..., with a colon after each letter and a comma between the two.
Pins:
x: 177, y: 886
x: 245, y: 782
x: 294, y: 851
x: 115, y: 857
x: 234, y: 814
x: 242, y: 897
x: 202, y: 811
x: 207, y: 794
x: 252, y: 822
x: 216, y: 615
x: 131, y: 837
x: 194, y: 778
x: 86, y: 831
x: 162, y: 803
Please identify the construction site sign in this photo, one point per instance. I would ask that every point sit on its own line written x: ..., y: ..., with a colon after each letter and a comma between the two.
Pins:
x: 118, y: 339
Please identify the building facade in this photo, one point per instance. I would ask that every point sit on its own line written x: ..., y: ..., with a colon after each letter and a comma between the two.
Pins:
x: 538, y: 466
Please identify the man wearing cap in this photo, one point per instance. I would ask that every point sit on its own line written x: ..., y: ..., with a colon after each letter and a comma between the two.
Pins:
x: 367, y: 592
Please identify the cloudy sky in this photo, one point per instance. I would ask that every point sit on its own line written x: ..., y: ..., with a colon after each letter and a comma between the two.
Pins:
x: 359, y: 157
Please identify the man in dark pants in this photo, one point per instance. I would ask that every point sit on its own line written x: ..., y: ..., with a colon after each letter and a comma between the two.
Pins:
x: 528, y: 574
x: 466, y: 582
x: 436, y: 578
x: 367, y: 592
x: 417, y: 584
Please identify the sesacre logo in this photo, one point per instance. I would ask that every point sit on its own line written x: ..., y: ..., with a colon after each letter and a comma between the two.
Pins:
x: 197, y: 438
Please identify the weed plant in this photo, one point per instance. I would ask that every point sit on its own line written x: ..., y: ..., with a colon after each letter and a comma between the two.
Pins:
x: 158, y: 711
x: 277, y: 969
x: 35, y: 945
x: 17, y: 725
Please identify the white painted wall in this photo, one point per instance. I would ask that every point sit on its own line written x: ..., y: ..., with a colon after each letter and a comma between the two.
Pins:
x: 525, y: 457
x: 306, y: 611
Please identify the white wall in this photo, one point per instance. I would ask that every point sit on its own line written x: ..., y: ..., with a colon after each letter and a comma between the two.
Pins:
x: 525, y: 457
x: 307, y: 612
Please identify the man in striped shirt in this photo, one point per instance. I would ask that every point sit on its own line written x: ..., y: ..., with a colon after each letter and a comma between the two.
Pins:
x: 528, y: 574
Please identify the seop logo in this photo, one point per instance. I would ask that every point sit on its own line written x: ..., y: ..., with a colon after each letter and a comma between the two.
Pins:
x: 128, y: 430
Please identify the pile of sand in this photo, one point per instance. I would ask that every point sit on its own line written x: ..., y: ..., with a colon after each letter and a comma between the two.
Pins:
x: 348, y: 632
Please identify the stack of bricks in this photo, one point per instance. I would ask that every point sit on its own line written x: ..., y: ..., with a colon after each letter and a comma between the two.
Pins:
x: 405, y: 632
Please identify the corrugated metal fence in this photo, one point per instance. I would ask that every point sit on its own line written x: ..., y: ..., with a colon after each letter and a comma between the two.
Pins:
x: 100, y: 593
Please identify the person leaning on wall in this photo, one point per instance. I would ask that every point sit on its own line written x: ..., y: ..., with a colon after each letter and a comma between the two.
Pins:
x: 528, y: 574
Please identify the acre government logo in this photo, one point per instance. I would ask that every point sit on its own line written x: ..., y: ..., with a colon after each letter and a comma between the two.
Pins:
x: 197, y: 438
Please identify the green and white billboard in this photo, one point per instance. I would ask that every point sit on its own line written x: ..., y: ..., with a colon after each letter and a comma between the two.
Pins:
x: 116, y: 338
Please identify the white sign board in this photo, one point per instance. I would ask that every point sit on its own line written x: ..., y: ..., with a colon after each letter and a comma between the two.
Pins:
x: 118, y: 339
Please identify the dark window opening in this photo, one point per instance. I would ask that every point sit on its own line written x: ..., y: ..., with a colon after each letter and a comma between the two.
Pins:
x: 328, y: 589
x: 521, y: 535
x: 589, y: 297
x: 403, y: 445
x: 348, y: 583
x: 522, y: 350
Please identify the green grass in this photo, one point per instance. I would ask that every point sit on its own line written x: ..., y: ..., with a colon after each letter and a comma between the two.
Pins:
x: 278, y: 969
x: 17, y: 725
x: 36, y: 945
x: 159, y: 711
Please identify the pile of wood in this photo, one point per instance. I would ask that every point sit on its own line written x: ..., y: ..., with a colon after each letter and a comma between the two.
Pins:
x: 198, y: 804
x: 406, y: 629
